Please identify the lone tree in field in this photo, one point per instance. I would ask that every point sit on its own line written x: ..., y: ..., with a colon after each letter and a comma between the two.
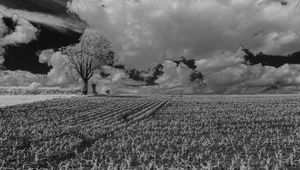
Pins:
x: 88, y: 56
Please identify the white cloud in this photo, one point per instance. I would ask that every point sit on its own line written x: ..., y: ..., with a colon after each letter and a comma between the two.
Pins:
x: 241, y: 78
x: 276, y: 41
x: 174, y: 76
x: 24, y: 32
x: 45, y: 56
x: 60, y: 74
x: 19, y: 78
x: 221, y: 60
x: 227, y: 73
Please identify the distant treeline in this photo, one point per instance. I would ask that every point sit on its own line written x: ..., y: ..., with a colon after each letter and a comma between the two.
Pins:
x: 271, y: 60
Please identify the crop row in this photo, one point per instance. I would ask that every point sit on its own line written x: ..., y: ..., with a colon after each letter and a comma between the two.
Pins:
x: 39, y: 135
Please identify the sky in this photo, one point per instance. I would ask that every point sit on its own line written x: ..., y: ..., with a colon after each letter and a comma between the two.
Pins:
x: 147, y: 32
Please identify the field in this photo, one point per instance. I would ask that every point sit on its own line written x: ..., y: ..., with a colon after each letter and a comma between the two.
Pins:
x: 153, y: 132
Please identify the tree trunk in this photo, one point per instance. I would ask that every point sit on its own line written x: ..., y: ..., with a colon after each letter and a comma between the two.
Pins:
x: 94, y: 88
x: 85, y: 88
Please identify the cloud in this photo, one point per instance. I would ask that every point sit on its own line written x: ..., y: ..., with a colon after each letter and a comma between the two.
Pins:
x: 145, y: 30
x: 50, y: 20
x: 177, y: 78
x: 174, y: 76
x: 24, y: 32
x: 45, y: 56
x: 220, y: 61
x: 19, y: 78
x: 210, y: 31
x: 227, y: 73
x: 60, y: 74
x: 278, y: 41
x: 286, y: 75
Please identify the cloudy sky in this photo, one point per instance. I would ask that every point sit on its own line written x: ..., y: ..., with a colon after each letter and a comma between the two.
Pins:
x: 212, y: 32
x: 145, y: 30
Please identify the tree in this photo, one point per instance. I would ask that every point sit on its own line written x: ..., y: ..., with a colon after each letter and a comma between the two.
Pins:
x: 157, y: 71
x: 93, y: 51
x: 198, y: 77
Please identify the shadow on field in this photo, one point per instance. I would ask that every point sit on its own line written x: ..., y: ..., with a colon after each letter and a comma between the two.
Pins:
x: 86, y: 142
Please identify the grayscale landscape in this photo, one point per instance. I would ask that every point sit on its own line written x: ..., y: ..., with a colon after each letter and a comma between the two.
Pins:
x: 150, y: 84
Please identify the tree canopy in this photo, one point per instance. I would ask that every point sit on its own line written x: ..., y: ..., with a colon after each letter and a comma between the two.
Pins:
x: 93, y: 51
